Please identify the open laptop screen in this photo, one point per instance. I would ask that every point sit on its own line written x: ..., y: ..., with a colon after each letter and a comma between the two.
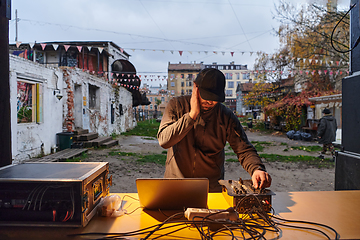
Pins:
x: 172, y: 193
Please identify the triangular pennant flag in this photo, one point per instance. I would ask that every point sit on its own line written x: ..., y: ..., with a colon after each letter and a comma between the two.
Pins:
x: 121, y: 50
x: 18, y: 44
x: 232, y: 54
x: 190, y: 52
x: 43, y: 45
x: 215, y: 52
x: 55, y: 46
x: 206, y: 52
x: 100, y: 49
x: 172, y: 52
x: 180, y: 52
x: 79, y: 48
x: 66, y: 47
x: 133, y: 49
x: 31, y: 44
x: 89, y: 48
x: 223, y: 53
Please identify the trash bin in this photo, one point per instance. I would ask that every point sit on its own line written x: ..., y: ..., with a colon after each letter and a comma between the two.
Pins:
x: 64, y: 140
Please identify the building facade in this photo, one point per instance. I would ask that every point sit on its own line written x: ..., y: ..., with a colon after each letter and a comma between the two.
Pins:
x: 47, y: 99
x: 181, y: 76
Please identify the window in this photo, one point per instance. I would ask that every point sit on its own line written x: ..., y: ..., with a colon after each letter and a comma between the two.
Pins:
x: 172, y: 84
x: 151, y: 106
x: 150, y: 99
x: 190, y: 76
x: 172, y: 92
x: 121, y: 111
x: 69, y: 58
x: 29, y: 102
x: 237, y: 76
x: 93, y: 95
x: 220, y: 67
x: 182, y: 92
x: 190, y: 84
x: 112, y: 111
x: 228, y: 93
x: 228, y: 75
x: 231, y: 84
x: 246, y: 75
x: 162, y: 99
x: 172, y: 76
x: 182, y: 76
x: 182, y: 84
x: 40, y: 57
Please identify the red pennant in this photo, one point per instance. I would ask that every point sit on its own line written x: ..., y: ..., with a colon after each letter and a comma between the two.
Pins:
x: 79, y: 48
x: 43, y: 45
x: 232, y: 54
x: 180, y: 52
x: 66, y: 47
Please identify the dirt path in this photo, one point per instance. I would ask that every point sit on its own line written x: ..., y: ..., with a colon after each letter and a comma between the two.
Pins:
x: 286, y: 176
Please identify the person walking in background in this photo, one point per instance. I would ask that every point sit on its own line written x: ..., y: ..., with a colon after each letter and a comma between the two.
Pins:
x: 195, y: 129
x: 327, y: 132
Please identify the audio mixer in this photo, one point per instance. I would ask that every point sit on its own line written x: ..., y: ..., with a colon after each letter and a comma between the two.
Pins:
x: 244, y: 197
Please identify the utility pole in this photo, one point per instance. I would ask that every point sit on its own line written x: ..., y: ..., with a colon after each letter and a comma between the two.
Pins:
x: 5, y: 123
x: 16, y: 26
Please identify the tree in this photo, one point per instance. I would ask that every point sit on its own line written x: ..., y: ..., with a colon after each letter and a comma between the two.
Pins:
x: 305, y: 33
x: 261, y: 95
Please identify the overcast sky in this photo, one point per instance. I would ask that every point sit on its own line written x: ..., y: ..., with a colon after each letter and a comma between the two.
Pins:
x: 154, y: 32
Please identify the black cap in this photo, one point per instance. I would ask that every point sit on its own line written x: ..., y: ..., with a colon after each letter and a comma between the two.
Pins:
x: 211, y: 83
x: 326, y: 111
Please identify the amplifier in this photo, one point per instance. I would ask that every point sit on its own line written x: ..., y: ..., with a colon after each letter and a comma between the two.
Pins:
x: 243, y: 197
x: 52, y: 194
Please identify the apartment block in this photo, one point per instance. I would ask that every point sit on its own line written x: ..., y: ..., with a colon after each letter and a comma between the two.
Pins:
x: 181, y: 76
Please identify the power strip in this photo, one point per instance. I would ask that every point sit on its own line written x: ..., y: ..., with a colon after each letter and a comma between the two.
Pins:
x: 200, y: 213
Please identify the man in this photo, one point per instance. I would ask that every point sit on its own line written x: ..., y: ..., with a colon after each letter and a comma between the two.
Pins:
x: 327, y: 132
x: 195, y: 130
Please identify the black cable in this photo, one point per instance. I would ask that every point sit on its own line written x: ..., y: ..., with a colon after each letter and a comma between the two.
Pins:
x: 311, y: 223
x: 332, y: 34
x: 254, y: 222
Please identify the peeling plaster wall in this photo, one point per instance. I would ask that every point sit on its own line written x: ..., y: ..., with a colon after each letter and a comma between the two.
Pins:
x: 96, y: 119
x: 35, y: 138
x: 31, y: 139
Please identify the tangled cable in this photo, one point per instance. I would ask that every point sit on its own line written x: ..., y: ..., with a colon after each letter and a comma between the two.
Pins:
x: 254, y: 223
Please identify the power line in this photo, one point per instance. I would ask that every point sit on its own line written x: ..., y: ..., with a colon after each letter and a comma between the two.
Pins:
x: 240, y: 24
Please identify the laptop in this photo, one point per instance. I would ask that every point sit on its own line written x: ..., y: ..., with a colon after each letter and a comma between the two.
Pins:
x: 172, y: 193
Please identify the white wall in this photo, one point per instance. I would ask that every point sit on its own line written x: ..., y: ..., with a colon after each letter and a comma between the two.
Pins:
x: 29, y: 139
x: 98, y: 119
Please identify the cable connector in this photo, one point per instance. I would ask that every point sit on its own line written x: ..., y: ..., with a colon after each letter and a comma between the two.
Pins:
x: 228, y: 214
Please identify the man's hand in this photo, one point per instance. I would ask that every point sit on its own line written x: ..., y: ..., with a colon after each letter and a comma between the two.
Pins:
x: 262, y: 177
x: 194, y: 103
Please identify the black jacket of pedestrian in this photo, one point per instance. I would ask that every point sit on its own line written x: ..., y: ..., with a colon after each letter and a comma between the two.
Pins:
x: 327, y: 129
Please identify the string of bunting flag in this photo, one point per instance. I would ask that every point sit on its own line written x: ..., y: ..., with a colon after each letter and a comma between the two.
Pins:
x: 101, y: 49
x: 341, y: 65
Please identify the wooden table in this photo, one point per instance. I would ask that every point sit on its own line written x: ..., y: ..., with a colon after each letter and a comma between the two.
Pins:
x: 337, y: 209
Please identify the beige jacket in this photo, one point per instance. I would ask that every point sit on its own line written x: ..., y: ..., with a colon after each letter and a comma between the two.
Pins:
x: 196, y: 147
